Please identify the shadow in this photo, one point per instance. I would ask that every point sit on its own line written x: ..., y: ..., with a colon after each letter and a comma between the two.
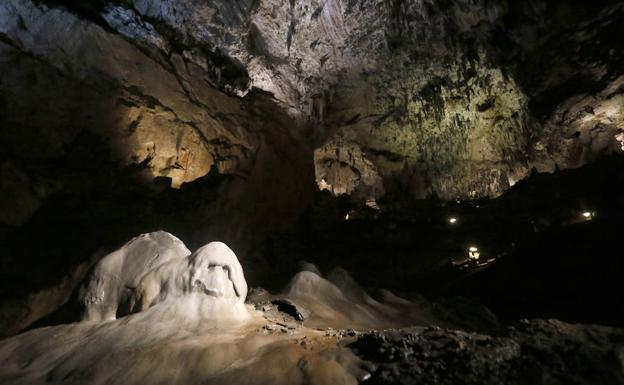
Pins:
x: 548, y: 262
x: 80, y: 140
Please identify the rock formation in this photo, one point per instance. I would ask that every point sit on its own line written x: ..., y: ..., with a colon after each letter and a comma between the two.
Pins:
x: 116, y: 277
x: 188, y: 328
x: 460, y: 99
x: 212, y: 271
x: 156, y: 267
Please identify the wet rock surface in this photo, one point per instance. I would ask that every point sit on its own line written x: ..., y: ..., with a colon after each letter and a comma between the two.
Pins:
x: 531, y: 352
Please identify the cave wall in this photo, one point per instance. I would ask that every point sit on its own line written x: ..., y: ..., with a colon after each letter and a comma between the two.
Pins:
x: 452, y: 98
x: 455, y: 98
x: 105, y: 135
x: 221, y: 119
x: 471, y: 96
x: 67, y: 82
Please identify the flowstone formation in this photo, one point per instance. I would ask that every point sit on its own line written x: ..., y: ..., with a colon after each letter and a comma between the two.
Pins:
x: 222, y: 119
x: 192, y: 326
x: 156, y: 267
x: 212, y: 271
x: 112, y: 284
x: 188, y: 324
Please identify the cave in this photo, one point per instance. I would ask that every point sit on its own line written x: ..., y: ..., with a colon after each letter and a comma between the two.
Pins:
x: 312, y: 192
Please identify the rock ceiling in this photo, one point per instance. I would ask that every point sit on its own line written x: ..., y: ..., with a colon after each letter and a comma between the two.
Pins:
x: 395, y: 99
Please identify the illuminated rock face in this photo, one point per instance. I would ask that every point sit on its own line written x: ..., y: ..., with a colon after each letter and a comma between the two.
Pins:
x: 112, y: 90
x: 157, y: 267
x: 431, y: 93
x: 445, y: 125
x: 342, y: 168
x: 98, y: 108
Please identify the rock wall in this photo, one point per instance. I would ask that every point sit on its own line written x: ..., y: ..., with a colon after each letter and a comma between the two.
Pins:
x: 214, y: 119
x: 457, y: 99
x: 469, y: 91
x: 165, y: 110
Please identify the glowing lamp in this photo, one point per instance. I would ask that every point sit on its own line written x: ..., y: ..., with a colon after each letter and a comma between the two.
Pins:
x: 452, y: 220
x: 587, y: 215
x: 473, y: 252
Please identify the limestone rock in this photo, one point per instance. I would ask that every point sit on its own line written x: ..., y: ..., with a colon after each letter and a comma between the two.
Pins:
x: 17, y: 314
x: 459, y: 99
x: 339, y: 302
x: 342, y: 168
x: 429, y: 92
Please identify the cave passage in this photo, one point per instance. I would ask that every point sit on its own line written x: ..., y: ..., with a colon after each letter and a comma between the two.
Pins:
x: 311, y: 192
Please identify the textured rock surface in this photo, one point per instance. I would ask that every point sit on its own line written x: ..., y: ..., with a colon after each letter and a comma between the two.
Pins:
x: 533, y: 352
x: 450, y: 98
x: 175, y: 342
x: 108, y: 87
x: 337, y: 301
x: 212, y: 271
x: 180, y: 338
x: 449, y: 112
x: 582, y: 94
x: 154, y: 109
x: 343, y: 169
x: 445, y: 98
x: 18, y: 313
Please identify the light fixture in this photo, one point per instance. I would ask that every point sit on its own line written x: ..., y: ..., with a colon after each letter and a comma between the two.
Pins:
x: 473, y: 252
x: 452, y: 220
x: 346, y: 217
x: 588, y: 215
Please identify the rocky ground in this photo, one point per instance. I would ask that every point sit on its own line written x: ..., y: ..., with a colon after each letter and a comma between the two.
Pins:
x: 530, y: 352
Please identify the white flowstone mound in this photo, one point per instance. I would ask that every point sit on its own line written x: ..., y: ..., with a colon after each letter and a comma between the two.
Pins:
x: 112, y: 280
x: 212, y: 275
x: 157, y: 267
x: 187, y: 328
x: 337, y: 301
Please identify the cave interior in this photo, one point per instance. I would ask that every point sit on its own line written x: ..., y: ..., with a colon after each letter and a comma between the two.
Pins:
x: 311, y: 192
